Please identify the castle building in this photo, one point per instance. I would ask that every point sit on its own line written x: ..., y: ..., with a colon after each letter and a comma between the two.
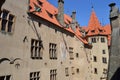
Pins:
x: 40, y: 42
x: 114, y: 67
x: 99, y: 36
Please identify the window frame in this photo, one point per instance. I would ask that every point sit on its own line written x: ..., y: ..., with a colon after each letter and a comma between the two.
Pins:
x: 93, y: 40
x: 7, y: 24
x: 66, y: 71
x: 104, y: 60
x: 36, y: 49
x: 53, y: 51
x: 102, y: 40
x: 53, y: 74
x: 5, y: 77
x: 35, y: 75
x: 71, y: 54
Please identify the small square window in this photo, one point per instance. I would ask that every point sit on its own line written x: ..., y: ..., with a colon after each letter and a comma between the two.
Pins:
x: 35, y: 75
x: 104, y: 60
x: 93, y: 40
x: 103, y: 51
x: 102, y: 40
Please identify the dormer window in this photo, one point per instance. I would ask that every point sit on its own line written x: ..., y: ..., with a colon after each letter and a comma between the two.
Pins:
x: 93, y: 31
x: 68, y: 21
x: 49, y: 14
x: 40, y: 3
x: 36, y: 8
x: 101, y: 30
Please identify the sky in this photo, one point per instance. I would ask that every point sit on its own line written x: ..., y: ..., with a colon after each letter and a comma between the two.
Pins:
x: 83, y: 9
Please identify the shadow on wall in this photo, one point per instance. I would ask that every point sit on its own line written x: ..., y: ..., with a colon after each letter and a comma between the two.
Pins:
x: 116, y: 75
x: 1, y: 3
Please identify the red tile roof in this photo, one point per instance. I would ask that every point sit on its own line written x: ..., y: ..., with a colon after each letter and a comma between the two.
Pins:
x: 49, y: 13
x: 95, y: 28
x: 47, y: 8
x: 79, y: 35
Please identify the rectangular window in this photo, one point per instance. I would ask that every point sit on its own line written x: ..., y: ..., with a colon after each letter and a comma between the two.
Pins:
x: 77, y: 55
x: 53, y: 51
x: 77, y: 70
x: 93, y: 40
x: 104, y: 71
x: 35, y: 75
x: 66, y: 71
x: 72, y: 70
x: 102, y: 40
x: 53, y: 74
x: 103, y: 51
x: 40, y: 3
x: 95, y: 58
x: 36, y: 49
x: 71, y: 53
x: 95, y: 71
x: 104, y: 60
x: 49, y: 14
x: 6, y: 77
x: 6, y: 21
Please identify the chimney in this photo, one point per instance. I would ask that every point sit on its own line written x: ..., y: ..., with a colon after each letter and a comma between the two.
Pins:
x: 60, y: 15
x: 73, y: 15
x: 74, y: 23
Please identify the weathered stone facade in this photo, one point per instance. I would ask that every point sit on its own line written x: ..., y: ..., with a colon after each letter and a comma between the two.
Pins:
x: 115, y: 44
x: 33, y: 48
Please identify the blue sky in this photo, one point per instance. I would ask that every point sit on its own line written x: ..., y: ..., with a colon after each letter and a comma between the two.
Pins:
x: 83, y: 9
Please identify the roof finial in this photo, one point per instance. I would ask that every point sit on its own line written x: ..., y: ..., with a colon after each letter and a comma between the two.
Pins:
x: 92, y: 5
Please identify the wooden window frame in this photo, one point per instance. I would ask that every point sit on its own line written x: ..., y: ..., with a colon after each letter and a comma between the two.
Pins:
x: 35, y: 75
x: 53, y: 51
x: 7, y: 21
x: 36, y: 49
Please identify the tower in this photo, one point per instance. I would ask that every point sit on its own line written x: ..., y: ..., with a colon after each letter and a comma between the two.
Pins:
x: 98, y: 36
x: 114, y: 65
